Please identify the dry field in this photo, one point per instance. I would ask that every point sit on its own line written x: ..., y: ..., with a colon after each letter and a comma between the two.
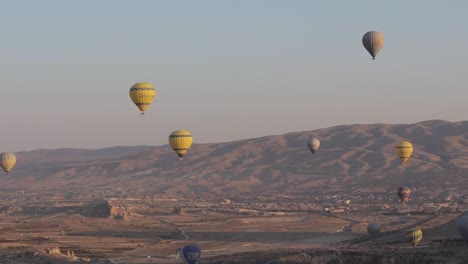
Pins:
x: 155, y: 239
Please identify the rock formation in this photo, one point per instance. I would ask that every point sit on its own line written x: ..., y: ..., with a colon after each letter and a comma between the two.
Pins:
x: 53, y: 251
x: 103, y: 208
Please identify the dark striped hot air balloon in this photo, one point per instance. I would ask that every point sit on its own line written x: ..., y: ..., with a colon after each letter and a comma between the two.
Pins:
x: 191, y: 254
x: 373, y: 41
x: 404, y: 193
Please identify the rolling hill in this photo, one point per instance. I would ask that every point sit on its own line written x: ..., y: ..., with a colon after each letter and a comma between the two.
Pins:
x: 351, y: 158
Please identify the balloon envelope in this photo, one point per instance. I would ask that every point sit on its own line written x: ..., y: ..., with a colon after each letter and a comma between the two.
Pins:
x: 7, y: 161
x: 462, y: 226
x: 404, y: 193
x: 178, y: 252
x: 313, y: 144
x: 191, y: 254
x: 142, y: 95
x: 180, y: 141
x: 414, y: 236
x: 373, y: 228
x: 404, y: 150
x: 373, y: 41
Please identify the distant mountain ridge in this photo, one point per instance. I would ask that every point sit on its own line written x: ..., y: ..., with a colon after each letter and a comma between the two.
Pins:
x: 350, y: 158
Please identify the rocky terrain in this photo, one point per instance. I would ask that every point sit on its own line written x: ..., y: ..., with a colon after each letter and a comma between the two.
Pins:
x: 351, y: 158
x: 103, y: 208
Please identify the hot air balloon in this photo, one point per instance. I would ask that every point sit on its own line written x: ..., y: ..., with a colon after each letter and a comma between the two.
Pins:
x: 178, y: 252
x: 313, y: 144
x: 404, y: 151
x: 180, y: 141
x: 8, y: 161
x: 191, y: 254
x: 462, y: 226
x: 414, y: 236
x: 142, y: 94
x: 373, y: 228
x: 404, y: 193
x: 373, y: 41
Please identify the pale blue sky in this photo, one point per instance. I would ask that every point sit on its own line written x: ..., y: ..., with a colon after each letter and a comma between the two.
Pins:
x: 225, y: 70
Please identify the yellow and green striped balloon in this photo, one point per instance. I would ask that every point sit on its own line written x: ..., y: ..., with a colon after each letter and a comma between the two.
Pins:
x: 142, y: 95
x: 8, y: 161
x: 404, y: 151
x: 180, y: 141
x: 414, y: 236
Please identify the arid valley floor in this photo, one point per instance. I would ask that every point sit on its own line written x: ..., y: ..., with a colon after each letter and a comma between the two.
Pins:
x: 143, y: 230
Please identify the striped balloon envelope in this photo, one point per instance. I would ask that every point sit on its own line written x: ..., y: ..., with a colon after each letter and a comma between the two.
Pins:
x: 414, y: 236
x: 404, y: 193
x: 142, y: 95
x: 373, y: 41
x: 180, y: 141
x: 404, y: 150
x: 7, y: 161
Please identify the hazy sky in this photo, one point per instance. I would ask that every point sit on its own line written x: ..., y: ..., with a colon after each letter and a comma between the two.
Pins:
x: 225, y: 70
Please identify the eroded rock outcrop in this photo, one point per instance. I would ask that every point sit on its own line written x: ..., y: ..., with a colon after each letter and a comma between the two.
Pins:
x: 53, y: 251
x: 103, y: 208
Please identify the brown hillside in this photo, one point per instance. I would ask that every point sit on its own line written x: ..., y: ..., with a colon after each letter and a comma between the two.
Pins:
x: 351, y: 157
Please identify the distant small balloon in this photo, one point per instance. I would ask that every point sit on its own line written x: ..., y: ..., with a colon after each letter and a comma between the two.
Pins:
x: 191, y: 254
x: 373, y: 41
x: 7, y: 161
x: 178, y: 253
x: 313, y: 144
x: 414, y: 236
x: 462, y: 226
x: 404, y: 193
x: 404, y: 150
x: 373, y: 228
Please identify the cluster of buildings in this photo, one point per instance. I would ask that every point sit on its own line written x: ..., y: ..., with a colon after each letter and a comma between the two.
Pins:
x: 254, y: 204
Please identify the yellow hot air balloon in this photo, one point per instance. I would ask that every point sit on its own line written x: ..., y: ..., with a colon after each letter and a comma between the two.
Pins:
x: 180, y: 141
x: 404, y: 151
x: 414, y: 236
x: 8, y: 161
x: 142, y: 94
x: 373, y: 41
